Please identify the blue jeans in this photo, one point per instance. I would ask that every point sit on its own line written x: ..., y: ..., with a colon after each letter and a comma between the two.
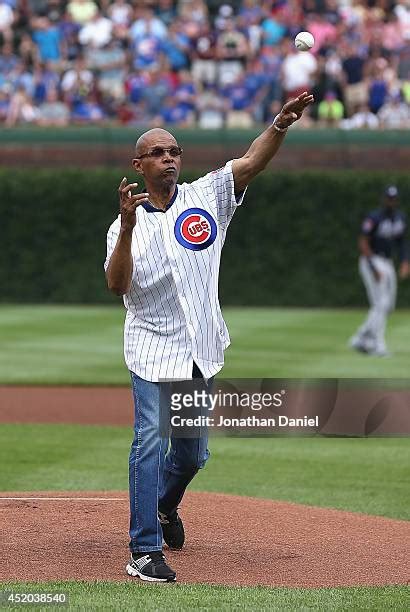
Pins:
x: 160, y: 468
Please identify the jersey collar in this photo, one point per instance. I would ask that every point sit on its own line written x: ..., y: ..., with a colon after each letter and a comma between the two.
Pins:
x: 151, y: 209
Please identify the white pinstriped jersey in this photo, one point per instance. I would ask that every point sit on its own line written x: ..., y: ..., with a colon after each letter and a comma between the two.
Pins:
x: 173, y: 314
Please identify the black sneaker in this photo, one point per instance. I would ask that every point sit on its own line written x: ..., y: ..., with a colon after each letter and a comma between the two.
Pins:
x: 150, y: 566
x: 172, y: 530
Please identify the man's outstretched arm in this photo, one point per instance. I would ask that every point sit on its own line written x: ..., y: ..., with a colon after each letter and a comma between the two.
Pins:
x: 265, y: 146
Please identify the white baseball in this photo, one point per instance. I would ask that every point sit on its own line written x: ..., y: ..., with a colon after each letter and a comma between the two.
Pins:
x: 304, y: 41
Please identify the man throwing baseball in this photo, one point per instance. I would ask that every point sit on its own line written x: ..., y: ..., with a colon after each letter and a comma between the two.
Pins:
x: 163, y: 255
x: 382, y: 231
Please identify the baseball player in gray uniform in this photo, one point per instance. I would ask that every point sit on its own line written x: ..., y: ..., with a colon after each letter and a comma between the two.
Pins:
x: 163, y: 256
x: 382, y: 231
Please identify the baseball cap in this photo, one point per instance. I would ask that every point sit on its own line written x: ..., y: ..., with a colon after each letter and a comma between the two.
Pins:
x: 392, y: 191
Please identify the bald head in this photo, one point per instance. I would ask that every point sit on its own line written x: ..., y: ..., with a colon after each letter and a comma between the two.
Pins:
x: 158, y: 160
x: 151, y: 138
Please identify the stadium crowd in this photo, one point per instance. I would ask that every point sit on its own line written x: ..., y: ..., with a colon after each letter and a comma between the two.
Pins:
x: 205, y: 64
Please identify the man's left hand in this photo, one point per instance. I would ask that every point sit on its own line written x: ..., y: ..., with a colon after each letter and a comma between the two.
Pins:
x: 293, y: 110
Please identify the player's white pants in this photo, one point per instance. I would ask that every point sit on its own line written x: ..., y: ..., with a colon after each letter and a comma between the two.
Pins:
x: 382, y: 300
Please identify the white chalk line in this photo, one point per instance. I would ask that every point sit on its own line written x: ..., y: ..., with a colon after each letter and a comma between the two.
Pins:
x: 63, y: 499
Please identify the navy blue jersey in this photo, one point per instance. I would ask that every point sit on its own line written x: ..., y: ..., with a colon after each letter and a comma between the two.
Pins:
x: 386, y: 230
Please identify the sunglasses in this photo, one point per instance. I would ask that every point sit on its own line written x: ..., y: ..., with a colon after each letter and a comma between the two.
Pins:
x: 160, y: 152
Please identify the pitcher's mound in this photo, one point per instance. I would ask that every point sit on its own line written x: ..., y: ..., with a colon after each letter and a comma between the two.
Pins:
x: 231, y: 540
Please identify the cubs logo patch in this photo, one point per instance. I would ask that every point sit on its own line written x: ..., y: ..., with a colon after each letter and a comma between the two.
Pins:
x: 195, y: 229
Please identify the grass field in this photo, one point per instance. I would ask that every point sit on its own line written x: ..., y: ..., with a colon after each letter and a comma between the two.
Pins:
x: 316, y: 471
x: 83, y: 345
x: 138, y: 597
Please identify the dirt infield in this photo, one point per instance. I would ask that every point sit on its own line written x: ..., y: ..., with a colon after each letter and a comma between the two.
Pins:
x: 372, y: 411
x: 230, y: 540
x: 85, y: 405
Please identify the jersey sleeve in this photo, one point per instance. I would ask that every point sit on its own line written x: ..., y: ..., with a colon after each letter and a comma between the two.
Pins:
x: 112, y: 237
x: 221, y: 184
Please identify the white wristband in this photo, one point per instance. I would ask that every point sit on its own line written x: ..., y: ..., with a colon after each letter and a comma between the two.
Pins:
x: 277, y: 128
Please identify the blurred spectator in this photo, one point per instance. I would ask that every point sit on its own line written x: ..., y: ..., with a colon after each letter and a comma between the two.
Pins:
x: 165, y: 11
x: 155, y: 91
x: 392, y: 33
x: 261, y: 87
x: 78, y: 80
x: 22, y: 78
x: 231, y: 50
x: 4, y: 102
x: 238, y: 119
x: 219, y: 64
x: 186, y: 91
x: 21, y: 108
x: 402, y: 10
x: 195, y: 11
x: 7, y: 18
x: 97, y: 32
x: 135, y: 85
x: 330, y: 109
x: 251, y: 11
x: 355, y: 87
x: 403, y: 68
x: 225, y: 12
x: 125, y: 112
x: 211, y: 109
x: 256, y: 77
x: 204, y: 65
x: 176, y: 46
x: 239, y: 103
x: 295, y: 18
x: 53, y: 112
x: 120, y: 13
x: 249, y: 22
x: 147, y: 48
x: 8, y: 61
x: 394, y: 114
x: 146, y: 24
x: 87, y: 110
x: 175, y: 113
x: 323, y: 32
x: 27, y: 50
x: 47, y: 38
x: 272, y: 30
x: 109, y: 62
x: 406, y: 91
x: 298, y: 69
x: 364, y: 119
x: 331, y: 12
x: 70, y: 45
x: 237, y: 95
x: 44, y: 79
x: 378, y: 91
x: 82, y: 11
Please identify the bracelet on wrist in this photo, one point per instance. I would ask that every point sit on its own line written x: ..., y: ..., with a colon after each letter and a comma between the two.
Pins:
x: 277, y: 128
